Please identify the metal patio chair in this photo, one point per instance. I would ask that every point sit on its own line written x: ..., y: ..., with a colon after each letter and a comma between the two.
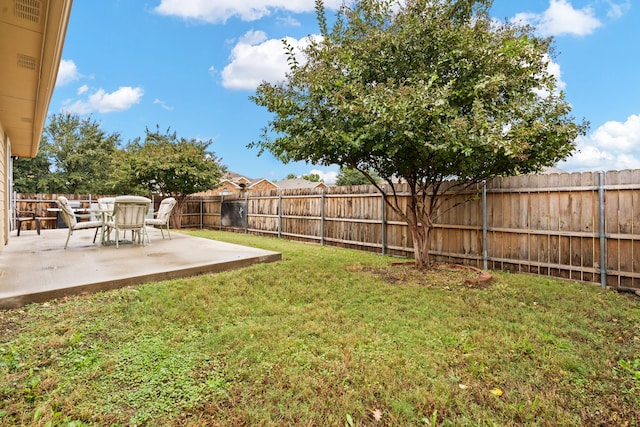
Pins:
x: 129, y: 214
x: 161, y: 218
x: 70, y: 218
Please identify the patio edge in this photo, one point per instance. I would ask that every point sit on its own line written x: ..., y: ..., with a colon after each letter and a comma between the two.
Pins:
x: 52, y: 294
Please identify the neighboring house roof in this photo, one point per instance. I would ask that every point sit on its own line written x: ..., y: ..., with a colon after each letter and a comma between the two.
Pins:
x: 237, y: 179
x: 552, y: 170
x: 34, y: 33
x: 232, y: 176
x: 226, y: 182
x: 261, y: 180
x: 288, y: 184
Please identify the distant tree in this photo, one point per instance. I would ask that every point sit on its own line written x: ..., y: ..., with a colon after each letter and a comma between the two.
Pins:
x: 349, y: 176
x: 31, y: 175
x: 291, y: 176
x: 312, y: 177
x: 77, y: 153
x: 422, y: 92
x: 166, y: 165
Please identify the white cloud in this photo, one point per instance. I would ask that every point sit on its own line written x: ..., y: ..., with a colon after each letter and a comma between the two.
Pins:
x: 218, y: 11
x: 618, y: 10
x: 561, y: 18
x: 103, y: 102
x: 613, y: 146
x: 289, y: 21
x: 623, y: 137
x: 162, y: 104
x: 67, y: 72
x: 255, y: 59
x: 253, y: 37
x: 82, y: 89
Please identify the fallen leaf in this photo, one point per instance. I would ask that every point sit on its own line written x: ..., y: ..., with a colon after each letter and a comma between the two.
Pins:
x: 463, y: 386
x: 376, y: 414
x: 497, y: 392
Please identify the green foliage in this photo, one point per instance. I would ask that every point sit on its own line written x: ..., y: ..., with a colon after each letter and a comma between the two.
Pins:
x: 79, y: 152
x: 74, y: 157
x: 630, y: 371
x: 312, y: 177
x: 349, y: 176
x: 155, y: 379
x: 631, y: 368
x: 31, y: 175
x: 167, y: 165
x: 423, y: 91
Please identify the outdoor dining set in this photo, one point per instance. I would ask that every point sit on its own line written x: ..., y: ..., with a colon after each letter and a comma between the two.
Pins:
x: 117, y: 215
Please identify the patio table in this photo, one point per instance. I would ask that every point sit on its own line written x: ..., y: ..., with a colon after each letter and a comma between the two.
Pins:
x: 60, y: 222
x: 105, y: 215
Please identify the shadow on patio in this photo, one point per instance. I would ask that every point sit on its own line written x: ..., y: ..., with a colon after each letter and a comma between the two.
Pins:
x: 36, y: 268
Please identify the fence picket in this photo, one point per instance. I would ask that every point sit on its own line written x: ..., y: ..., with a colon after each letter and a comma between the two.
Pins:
x: 544, y: 224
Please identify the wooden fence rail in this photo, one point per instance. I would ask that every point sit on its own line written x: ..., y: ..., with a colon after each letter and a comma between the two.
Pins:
x: 580, y: 226
x: 564, y: 225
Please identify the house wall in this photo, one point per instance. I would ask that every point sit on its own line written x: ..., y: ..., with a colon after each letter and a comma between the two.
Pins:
x: 220, y: 190
x: 4, y: 187
x: 263, y: 186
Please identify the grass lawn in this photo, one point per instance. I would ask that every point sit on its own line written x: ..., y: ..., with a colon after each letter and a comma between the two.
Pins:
x: 327, y: 337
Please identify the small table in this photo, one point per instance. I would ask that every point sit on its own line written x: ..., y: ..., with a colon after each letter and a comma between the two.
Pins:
x: 60, y: 222
x: 104, y: 215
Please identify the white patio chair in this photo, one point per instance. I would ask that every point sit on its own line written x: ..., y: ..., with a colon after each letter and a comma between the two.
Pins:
x: 163, y: 215
x: 129, y: 214
x: 106, y: 203
x: 105, y: 209
x: 71, y: 220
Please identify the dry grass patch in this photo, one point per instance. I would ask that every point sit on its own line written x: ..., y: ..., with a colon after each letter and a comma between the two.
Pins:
x: 442, y: 276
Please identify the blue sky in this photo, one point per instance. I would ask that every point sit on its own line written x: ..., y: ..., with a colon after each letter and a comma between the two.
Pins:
x: 191, y: 65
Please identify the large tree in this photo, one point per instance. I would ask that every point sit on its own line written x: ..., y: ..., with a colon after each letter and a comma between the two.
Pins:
x: 31, y: 175
x: 348, y: 176
x: 78, y: 152
x: 422, y: 92
x: 312, y: 177
x: 166, y: 165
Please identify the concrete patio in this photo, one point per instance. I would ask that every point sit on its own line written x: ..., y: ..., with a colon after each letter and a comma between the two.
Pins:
x: 36, y: 268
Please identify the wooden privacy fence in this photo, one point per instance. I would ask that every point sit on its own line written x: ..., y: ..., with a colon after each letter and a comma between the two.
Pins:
x: 580, y: 226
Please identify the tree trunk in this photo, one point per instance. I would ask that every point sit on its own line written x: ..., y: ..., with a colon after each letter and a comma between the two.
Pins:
x: 176, y: 214
x: 421, y: 243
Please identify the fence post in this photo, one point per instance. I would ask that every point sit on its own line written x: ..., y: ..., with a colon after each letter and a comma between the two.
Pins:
x: 485, y: 240
x: 384, y: 223
x: 603, y: 232
x: 201, y: 213
x: 246, y: 222
x: 220, y: 221
x: 322, y: 220
x: 280, y: 216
